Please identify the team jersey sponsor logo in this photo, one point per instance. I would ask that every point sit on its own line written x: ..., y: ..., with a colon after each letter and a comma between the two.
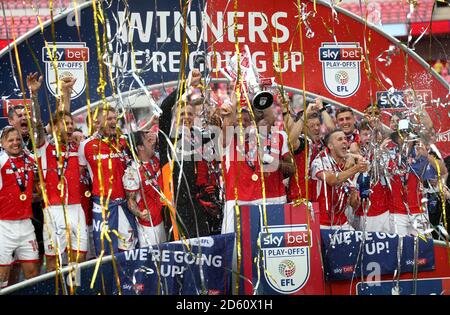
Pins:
x: 108, y: 156
x: 341, y: 67
x: 286, y: 251
x: 70, y: 60
x: 402, y: 99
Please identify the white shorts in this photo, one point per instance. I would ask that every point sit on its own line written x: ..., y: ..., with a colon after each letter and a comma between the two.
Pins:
x: 54, y: 232
x: 151, y: 235
x: 228, y: 211
x: 17, y: 238
x: 377, y: 223
x: 404, y: 224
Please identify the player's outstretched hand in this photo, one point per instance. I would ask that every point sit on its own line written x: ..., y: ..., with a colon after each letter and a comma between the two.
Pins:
x: 33, y: 83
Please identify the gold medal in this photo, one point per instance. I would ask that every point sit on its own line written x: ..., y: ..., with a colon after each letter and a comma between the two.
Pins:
x: 60, y: 186
x: 87, y: 193
x: 23, y: 197
x: 254, y: 177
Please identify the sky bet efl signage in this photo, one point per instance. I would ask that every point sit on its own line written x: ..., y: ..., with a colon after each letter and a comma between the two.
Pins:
x: 280, y: 255
x: 341, y: 67
x: 403, y: 99
x: 287, y: 257
x: 70, y: 60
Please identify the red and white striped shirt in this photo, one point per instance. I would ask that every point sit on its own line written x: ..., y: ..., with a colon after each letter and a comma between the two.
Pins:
x: 109, y: 159
x: 48, y: 160
x: 11, y: 207
x: 247, y: 179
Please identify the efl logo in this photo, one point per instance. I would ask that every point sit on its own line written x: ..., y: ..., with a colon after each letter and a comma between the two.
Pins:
x: 341, y: 67
x: 286, y: 251
x: 402, y: 99
x: 70, y: 60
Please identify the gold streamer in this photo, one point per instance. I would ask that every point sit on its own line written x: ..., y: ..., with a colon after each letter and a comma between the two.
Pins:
x: 86, y: 76
x: 98, y: 15
x: 444, y: 212
x: 237, y: 91
x: 40, y: 174
x: 180, y: 105
x: 304, y: 122
x: 31, y: 128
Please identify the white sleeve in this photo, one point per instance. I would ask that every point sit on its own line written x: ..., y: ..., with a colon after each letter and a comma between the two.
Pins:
x: 317, y: 166
x: 130, y: 178
x: 284, y: 147
x: 82, y: 161
x: 41, y: 151
x: 42, y: 154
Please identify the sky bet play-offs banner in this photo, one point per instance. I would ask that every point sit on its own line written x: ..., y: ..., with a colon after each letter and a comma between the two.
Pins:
x: 339, y: 53
x: 171, y: 269
x: 281, y: 255
x: 346, y: 252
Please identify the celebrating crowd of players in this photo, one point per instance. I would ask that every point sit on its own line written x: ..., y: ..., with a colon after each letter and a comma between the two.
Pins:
x: 86, y: 197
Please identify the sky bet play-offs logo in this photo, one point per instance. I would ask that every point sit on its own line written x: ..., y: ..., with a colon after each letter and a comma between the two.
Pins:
x: 341, y: 67
x: 286, y: 257
x: 70, y: 60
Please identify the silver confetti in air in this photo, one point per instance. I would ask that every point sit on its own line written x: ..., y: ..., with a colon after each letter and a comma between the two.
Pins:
x: 305, y: 16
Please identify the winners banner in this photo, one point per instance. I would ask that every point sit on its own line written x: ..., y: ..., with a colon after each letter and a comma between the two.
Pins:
x: 196, y: 266
x: 346, y: 252
x: 280, y: 255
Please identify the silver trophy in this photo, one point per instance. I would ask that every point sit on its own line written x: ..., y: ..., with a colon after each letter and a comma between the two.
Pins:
x: 260, y: 98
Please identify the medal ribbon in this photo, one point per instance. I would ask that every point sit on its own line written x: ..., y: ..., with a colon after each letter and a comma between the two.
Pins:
x: 22, y: 184
x: 152, y: 177
x: 61, y: 171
